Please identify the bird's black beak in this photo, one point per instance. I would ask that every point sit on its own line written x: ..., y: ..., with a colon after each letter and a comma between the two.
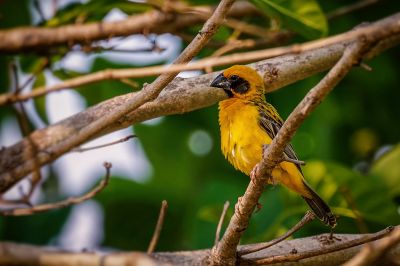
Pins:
x: 222, y: 82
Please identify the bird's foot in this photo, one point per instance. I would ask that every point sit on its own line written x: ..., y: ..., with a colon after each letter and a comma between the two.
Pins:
x: 328, y: 239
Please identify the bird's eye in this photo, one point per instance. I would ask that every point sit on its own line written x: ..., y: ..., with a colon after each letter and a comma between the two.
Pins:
x: 234, y: 77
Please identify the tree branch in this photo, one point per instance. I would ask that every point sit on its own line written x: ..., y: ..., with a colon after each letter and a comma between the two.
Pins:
x: 29, y: 39
x: 147, y: 94
x: 371, y: 253
x: 118, y: 74
x: 21, y: 254
x: 180, y: 96
x: 225, y: 252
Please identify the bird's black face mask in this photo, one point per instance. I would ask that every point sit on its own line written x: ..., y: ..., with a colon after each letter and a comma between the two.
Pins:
x: 232, y: 84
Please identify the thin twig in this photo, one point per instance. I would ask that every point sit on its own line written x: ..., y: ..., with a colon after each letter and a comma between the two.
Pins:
x: 350, y: 8
x: 372, y: 252
x: 26, y: 129
x: 64, y: 203
x: 324, y: 250
x: 42, y: 65
x: 157, y: 231
x: 124, y: 139
x: 308, y: 217
x: 365, y: 66
x: 221, y: 222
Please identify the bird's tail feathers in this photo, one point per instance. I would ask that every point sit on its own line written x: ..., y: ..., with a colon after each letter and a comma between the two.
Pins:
x: 320, y: 208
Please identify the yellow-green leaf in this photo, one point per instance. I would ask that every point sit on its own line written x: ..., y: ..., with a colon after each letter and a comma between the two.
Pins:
x: 388, y: 168
x: 302, y: 16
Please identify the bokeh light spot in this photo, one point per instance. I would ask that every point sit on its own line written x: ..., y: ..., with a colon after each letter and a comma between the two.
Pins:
x: 200, y: 142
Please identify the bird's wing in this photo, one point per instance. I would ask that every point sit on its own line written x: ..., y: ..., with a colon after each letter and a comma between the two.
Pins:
x: 271, y: 122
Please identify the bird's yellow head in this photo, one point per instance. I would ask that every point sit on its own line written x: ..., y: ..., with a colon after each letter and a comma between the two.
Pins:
x: 240, y: 82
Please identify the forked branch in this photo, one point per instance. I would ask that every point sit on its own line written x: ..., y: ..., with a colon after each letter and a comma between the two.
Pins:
x: 225, y: 252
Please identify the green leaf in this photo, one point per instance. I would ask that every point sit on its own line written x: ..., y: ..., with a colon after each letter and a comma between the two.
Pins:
x: 388, y: 169
x: 302, y: 16
x: 40, y: 102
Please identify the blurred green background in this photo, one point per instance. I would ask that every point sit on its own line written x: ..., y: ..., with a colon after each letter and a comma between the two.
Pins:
x: 350, y: 144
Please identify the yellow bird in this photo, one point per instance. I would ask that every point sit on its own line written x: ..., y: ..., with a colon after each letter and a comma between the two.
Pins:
x: 247, y: 123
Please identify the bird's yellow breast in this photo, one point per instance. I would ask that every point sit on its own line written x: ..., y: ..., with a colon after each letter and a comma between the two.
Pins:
x: 242, y: 139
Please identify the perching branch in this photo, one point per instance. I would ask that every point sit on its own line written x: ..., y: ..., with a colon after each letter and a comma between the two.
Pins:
x: 30, y: 39
x: 180, y: 96
x: 22, y: 254
x: 225, y: 252
x: 339, y: 244
x: 64, y: 203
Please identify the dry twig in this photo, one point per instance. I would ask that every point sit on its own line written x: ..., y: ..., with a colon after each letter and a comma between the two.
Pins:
x: 308, y: 217
x: 64, y: 203
x: 157, y: 230
x: 351, y: 8
x: 124, y: 139
x: 220, y: 223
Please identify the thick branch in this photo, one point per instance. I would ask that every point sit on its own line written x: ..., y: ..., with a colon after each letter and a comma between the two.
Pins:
x: 180, y: 96
x: 20, y: 254
x: 29, y: 39
x: 119, y: 74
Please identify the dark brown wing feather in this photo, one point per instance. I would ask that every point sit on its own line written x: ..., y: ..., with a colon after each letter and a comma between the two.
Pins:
x: 271, y: 122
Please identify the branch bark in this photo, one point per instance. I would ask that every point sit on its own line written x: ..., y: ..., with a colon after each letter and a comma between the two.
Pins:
x: 371, y: 253
x: 120, y: 74
x: 21, y: 254
x: 180, y: 96
x: 30, y: 39
x: 147, y: 94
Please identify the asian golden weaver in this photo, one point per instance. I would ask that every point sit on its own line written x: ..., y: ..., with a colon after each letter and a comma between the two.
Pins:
x: 247, y: 123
